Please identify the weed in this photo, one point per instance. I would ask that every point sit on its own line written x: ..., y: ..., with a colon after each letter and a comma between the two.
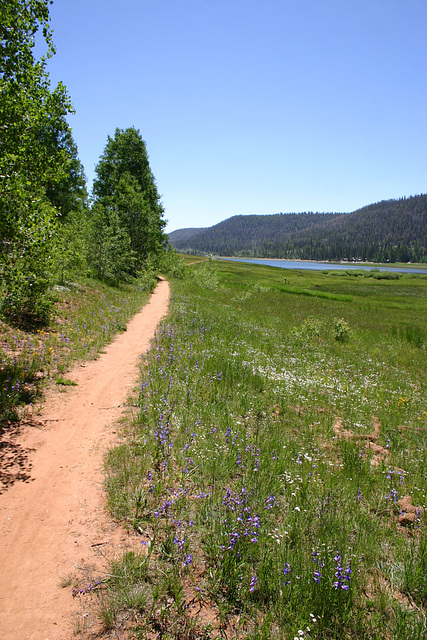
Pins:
x: 65, y: 382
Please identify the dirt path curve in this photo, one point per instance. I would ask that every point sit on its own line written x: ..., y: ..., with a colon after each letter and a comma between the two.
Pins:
x: 54, y: 525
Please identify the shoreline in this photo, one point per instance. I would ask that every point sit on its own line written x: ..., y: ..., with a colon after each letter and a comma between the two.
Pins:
x: 402, y: 267
x: 407, y: 265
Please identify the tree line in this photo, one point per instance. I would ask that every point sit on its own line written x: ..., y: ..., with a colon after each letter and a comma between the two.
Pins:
x: 49, y: 225
x: 387, y: 231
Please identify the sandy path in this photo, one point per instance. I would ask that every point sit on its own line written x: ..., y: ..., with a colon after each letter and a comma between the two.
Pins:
x: 54, y: 525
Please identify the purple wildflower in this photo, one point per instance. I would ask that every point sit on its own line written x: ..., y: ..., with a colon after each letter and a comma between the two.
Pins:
x: 187, y: 560
x: 343, y: 577
x: 316, y: 576
x: 253, y: 582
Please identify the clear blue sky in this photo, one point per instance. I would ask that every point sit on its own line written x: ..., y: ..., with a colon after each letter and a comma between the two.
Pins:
x: 252, y: 106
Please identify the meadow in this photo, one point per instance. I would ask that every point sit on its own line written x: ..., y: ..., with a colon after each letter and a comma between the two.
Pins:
x: 275, y: 464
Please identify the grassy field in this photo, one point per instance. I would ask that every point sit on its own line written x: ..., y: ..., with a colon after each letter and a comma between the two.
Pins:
x: 276, y: 467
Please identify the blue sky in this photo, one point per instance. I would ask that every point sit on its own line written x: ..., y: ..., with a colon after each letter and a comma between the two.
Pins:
x: 251, y: 106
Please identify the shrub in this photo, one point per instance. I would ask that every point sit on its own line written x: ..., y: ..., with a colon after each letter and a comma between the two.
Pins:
x: 205, y: 277
x: 341, y: 330
x: 308, y: 331
x: 172, y: 264
x: 147, y: 277
x: 27, y: 270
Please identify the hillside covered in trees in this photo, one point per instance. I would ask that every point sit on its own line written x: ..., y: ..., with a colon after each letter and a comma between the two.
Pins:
x: 387, y: 231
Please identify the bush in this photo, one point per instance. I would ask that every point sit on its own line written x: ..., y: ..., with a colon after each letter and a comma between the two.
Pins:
x: 147, y: 277
x: 341, y: 330
x: 308, y: 331
x: 205, y: 277
x: 172, y: 264
x: 382, y: 275
x: 28, y: 269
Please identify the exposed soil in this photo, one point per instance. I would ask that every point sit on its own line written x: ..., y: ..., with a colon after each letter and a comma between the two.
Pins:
x: 380, y: 453
x: 54, y: 530
x: 408, y: 512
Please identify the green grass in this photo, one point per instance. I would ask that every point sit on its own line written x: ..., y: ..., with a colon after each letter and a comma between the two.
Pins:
x: 65, y: 382
x: 252, y: 501
x: 87, y: 318
x: 263, y: 514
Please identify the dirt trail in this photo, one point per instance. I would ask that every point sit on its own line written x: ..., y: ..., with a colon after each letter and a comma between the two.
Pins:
x: 53, y: 525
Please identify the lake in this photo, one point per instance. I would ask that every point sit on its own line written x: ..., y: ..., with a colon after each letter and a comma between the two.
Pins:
x: 321, y: 266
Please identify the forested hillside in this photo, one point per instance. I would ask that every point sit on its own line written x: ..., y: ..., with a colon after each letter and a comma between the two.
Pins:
x: 391, y: 230
x: 185, y: 234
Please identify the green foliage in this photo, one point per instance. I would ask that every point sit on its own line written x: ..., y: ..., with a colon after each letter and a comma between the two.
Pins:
x: 147, y: 276
x: 65, y: 382
x: 204, y: 275
x: 371, y: 273
x: 110, y: 251
x: 410, y: 333
x: 126, y: 189
x: 415, y: 571
x: 20, y: 22
x: 172, y: 264
x: 307, y: 332
x: 28, y: 268
x: 341, y: 330
x: 382, y: 275
x: 31, y: 158
x: 75, y: 241
x: 68, y: 194
x: 317, y: 294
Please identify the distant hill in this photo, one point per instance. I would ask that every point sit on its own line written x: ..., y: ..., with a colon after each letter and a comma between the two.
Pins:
x: 183, y: 235
x: 391, y: 230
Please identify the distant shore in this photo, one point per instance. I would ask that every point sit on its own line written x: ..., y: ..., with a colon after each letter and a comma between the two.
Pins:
x: 390, y: 265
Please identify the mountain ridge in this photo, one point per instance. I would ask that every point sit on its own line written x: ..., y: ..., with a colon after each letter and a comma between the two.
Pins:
x: 386, y: 231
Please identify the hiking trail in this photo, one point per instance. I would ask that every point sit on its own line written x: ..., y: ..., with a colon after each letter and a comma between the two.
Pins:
x: 53, y: 525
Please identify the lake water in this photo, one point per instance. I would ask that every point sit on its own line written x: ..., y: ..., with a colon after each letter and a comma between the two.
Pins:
x: 321, y: 266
